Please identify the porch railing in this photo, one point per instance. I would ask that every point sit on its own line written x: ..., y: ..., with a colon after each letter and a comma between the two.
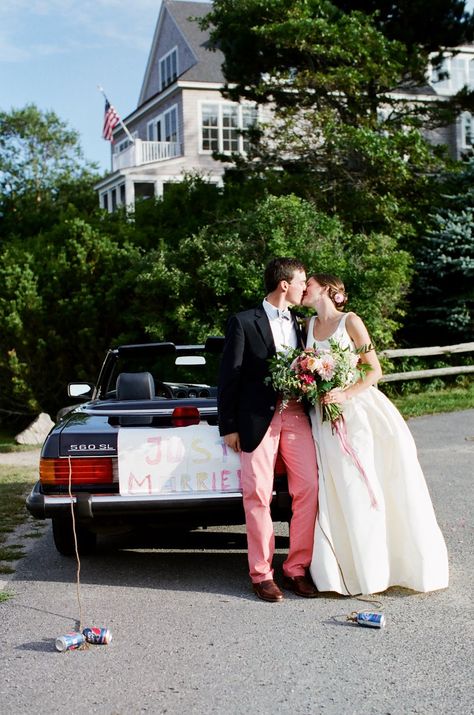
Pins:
x: 143, y: 152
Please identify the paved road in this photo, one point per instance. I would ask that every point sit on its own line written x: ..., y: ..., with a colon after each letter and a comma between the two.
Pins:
x: 189, y: 637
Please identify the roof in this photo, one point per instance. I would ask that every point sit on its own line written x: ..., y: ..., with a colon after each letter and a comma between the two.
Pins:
x: 208, y: 66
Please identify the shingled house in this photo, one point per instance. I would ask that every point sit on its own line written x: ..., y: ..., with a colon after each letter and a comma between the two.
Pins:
x: 182, y: 117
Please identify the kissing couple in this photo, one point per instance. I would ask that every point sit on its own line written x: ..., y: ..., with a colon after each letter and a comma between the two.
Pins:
x: 375, y: 526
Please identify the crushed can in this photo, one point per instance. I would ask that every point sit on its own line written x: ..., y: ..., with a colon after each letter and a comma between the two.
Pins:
x: 97, y: 636
x: 70, y: 641
x: 368, y: 618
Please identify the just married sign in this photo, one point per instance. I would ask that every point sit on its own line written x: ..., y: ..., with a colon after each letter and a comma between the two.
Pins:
x: 188, y: 459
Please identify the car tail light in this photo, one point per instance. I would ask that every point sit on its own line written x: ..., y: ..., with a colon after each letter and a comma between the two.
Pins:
x: 183, y: 416
x: 86, y: 470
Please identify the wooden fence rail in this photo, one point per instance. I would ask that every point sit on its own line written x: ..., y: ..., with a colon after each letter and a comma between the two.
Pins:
x: 423, y: 352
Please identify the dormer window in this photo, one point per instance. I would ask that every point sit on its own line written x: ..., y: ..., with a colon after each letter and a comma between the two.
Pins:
x: 168, y: 68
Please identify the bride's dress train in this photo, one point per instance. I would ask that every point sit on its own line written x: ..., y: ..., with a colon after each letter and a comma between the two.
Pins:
x: 359, y: 548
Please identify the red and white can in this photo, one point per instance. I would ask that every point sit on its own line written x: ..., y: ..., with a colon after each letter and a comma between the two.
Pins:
x: 97, y: 636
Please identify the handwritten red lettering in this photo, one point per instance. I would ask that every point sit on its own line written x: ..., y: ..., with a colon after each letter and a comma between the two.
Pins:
x: 225, y: 486
x: 156, y: 458
x: 132, y: 479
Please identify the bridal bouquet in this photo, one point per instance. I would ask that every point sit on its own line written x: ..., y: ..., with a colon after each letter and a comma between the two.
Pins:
x: 309, y: 374
x: 312, y: 372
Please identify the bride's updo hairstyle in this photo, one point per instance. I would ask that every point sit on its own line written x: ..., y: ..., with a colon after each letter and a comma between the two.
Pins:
x: 336, y: 290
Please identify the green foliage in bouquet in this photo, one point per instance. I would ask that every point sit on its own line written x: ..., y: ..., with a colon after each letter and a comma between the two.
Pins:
x: 308, y: 374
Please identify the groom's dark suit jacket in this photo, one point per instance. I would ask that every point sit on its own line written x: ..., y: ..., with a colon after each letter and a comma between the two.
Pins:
x: 245, y: 403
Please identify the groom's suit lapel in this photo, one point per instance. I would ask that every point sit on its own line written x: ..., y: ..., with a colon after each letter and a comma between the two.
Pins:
x: 262, y: 325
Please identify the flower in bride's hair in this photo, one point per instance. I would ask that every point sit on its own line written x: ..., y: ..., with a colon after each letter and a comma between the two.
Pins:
x: 338, y: 298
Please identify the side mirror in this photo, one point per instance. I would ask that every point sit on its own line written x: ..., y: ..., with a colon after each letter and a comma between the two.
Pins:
x: 82, y: 390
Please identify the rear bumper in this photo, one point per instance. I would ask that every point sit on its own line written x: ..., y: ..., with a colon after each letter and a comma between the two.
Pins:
x: 45, y: 506
x: 208, y: 507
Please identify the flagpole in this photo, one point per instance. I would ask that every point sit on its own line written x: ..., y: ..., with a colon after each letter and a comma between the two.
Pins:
x: 120, y: 118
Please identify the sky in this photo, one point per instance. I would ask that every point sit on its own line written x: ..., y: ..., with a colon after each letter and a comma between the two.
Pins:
x: 54, y: 53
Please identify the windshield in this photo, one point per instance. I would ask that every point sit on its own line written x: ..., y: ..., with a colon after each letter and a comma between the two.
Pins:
x: 162, y: 366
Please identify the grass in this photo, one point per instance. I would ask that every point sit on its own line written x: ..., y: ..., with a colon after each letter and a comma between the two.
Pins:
x: 15, y: 482
x: 8, y: 444
x: 429, y: 402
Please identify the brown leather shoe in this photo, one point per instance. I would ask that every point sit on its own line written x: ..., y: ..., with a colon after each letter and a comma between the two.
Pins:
x: 301, y: 585
x: 268, y: 591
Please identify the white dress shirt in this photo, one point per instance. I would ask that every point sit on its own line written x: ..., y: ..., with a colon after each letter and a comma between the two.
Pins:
x: 282, y: 327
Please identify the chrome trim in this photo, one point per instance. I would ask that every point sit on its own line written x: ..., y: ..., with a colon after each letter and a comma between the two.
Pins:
x: 210, y: 411
x: 63, y: 500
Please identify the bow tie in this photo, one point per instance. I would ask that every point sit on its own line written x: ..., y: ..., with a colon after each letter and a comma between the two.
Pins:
x: 285, y: 314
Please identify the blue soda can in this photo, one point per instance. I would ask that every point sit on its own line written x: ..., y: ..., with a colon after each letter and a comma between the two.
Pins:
x: 366, y: 618
x: 97, y: 636
x: 70, y: 641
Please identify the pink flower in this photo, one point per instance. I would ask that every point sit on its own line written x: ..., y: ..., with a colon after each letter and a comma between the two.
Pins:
x: 303, y: 364
x: 307, y: 379
x: 338, y: 298
x: 325, y: 367
x: 311, y: 363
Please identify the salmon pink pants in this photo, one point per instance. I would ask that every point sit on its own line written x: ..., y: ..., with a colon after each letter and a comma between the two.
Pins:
x: 289, y: 433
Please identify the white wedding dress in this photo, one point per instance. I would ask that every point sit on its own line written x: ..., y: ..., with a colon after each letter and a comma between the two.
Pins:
x: 359, y: 548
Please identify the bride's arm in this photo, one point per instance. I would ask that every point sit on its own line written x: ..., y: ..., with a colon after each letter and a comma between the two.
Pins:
x: 360, y: 337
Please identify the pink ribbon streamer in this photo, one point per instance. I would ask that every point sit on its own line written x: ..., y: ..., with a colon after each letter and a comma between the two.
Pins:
x: 340, y: 426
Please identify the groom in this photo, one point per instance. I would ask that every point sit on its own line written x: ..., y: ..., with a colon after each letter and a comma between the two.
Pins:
x: 252, y: 424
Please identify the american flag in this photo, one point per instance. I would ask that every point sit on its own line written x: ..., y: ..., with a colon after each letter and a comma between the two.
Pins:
x: 111, y: 119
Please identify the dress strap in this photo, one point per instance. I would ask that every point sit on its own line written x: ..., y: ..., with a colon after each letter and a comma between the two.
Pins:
x: 310, y: 340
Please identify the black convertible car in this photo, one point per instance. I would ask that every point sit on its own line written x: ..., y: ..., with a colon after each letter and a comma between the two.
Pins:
x: 143, y: 449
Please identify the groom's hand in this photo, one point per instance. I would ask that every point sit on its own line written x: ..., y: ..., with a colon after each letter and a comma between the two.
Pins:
x: 232, y: 440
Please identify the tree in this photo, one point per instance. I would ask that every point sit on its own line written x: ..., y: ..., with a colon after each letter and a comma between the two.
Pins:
x: 42, y: 171
x: 229, y: 255
x: 442, y: 296
x: 425, y: 24
x: 339, y: 128
x: 65, y: 297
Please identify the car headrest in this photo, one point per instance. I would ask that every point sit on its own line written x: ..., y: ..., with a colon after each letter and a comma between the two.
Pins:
x: 135, y: 386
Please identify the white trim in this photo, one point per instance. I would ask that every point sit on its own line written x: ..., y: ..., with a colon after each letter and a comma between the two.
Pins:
x: 151, y: 56
x: 154, y: 47
x: 160, y: 96
x: 447, y: 86
x: 464, y: 118
x: 161, y: 118
x: 161, y: 60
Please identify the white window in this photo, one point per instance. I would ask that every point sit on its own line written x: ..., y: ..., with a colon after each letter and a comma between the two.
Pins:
x: 223, y: 126
x: 168, y: 68
x: 467, y: 129
x: 164, y: 128
x: 453, y: 74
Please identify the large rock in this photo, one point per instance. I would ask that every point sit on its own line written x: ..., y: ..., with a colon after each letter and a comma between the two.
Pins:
x: 37, y: 431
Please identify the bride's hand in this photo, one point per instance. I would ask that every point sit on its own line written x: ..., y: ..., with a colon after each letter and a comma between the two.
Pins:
x: 336, y: 396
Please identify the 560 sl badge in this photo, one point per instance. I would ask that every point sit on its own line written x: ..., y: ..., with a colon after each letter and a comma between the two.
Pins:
x: 91, y: 448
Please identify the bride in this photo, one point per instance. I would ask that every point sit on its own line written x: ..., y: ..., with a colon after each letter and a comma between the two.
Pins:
x: 376, y: 527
